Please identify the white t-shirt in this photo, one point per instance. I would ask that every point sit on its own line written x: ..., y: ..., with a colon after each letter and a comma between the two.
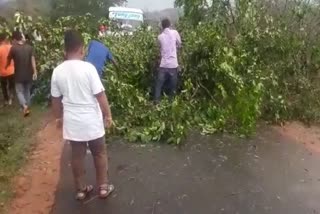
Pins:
x: 78, y: 82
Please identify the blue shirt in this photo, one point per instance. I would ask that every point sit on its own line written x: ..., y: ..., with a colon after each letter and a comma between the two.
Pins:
x: 98, y: 55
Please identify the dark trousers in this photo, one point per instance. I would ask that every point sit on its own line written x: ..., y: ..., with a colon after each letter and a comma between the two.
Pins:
x: 164, y: 74
x: 7, y: 86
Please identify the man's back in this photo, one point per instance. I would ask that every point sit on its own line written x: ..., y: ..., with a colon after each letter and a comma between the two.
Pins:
x: 22, y: 58
x: 4, y: 52
x: 73, y: 79
x: 169, y: 41
x: 98, y: 54
x: 77, y: 82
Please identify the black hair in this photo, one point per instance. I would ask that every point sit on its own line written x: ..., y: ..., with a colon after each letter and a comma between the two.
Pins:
x: 28, y: 37
x: 17, y: 35
x: 72, y: 41
x: 165, y: 23
x: 3, y: 37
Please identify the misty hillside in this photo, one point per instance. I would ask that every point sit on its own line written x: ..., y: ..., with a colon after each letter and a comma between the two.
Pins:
x: 171, y: 13
x: 42, y: 7
x: 30, y: 7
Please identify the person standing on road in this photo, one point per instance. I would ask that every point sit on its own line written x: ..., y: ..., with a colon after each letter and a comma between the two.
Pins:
x: 98, y: 55
x: 169, y: 41
x: 80, y: 103
x: 25, y: 70
x: 6, y: 74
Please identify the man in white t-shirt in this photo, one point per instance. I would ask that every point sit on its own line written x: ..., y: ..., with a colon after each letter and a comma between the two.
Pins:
x: 80, y: 103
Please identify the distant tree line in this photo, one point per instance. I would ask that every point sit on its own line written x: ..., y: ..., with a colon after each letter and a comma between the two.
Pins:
x: 58, y: 8
x: 80, y: 7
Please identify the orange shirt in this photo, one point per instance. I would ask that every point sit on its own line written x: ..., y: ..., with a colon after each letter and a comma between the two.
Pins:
x: 4, y: 52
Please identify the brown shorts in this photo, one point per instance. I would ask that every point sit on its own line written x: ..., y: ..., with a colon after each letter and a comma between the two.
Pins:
x: 99, y: 153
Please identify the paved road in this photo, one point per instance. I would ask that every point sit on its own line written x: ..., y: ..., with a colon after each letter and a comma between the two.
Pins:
x: 266, y: 174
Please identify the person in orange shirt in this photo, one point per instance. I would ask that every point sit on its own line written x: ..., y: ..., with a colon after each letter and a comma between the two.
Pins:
x: 6, y: 74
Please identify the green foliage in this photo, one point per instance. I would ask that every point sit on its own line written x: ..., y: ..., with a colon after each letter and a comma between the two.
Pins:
x: 239, y: 64
x: 17, y: 137
x: 10, y: 131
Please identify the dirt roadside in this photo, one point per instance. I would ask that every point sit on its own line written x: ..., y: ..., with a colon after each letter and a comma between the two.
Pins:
x: 36, y: 185
x: 309, y: 136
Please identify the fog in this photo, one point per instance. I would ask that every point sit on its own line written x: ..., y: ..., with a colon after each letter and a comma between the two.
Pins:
x: 151, y: 4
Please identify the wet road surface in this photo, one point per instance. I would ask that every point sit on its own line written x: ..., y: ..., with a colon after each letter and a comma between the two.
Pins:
x: 266, y: 174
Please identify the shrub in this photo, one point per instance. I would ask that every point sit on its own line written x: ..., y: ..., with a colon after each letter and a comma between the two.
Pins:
x: 237, y: 67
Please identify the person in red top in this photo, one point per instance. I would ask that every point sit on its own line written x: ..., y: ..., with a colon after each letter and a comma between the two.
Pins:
x: 6, y: 74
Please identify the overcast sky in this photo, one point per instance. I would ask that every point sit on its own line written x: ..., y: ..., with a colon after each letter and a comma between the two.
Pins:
x: 151, y: 4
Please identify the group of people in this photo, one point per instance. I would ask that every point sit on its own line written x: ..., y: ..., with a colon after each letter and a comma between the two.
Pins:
x: 169, y: 41
x: 81, y: 107
x: 79, y: 101
x: 17, y: 69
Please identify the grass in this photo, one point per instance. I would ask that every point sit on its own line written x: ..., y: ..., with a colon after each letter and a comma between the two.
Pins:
x: 17, y: 137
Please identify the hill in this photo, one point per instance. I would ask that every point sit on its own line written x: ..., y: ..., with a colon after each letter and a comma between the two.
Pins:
x: 171, y: 13
x: 30, y: 7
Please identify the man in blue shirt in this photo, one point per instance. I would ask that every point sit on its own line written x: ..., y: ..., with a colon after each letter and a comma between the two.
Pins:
x: 98, y: 55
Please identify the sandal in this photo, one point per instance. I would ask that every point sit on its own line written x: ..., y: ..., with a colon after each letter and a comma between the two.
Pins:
x: 26, y: 112
x: 82, y: 194
x: 105, y: 191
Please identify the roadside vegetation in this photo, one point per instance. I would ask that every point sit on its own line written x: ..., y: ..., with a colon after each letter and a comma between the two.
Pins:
x: 17, y: 137
x: 241, y: 62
